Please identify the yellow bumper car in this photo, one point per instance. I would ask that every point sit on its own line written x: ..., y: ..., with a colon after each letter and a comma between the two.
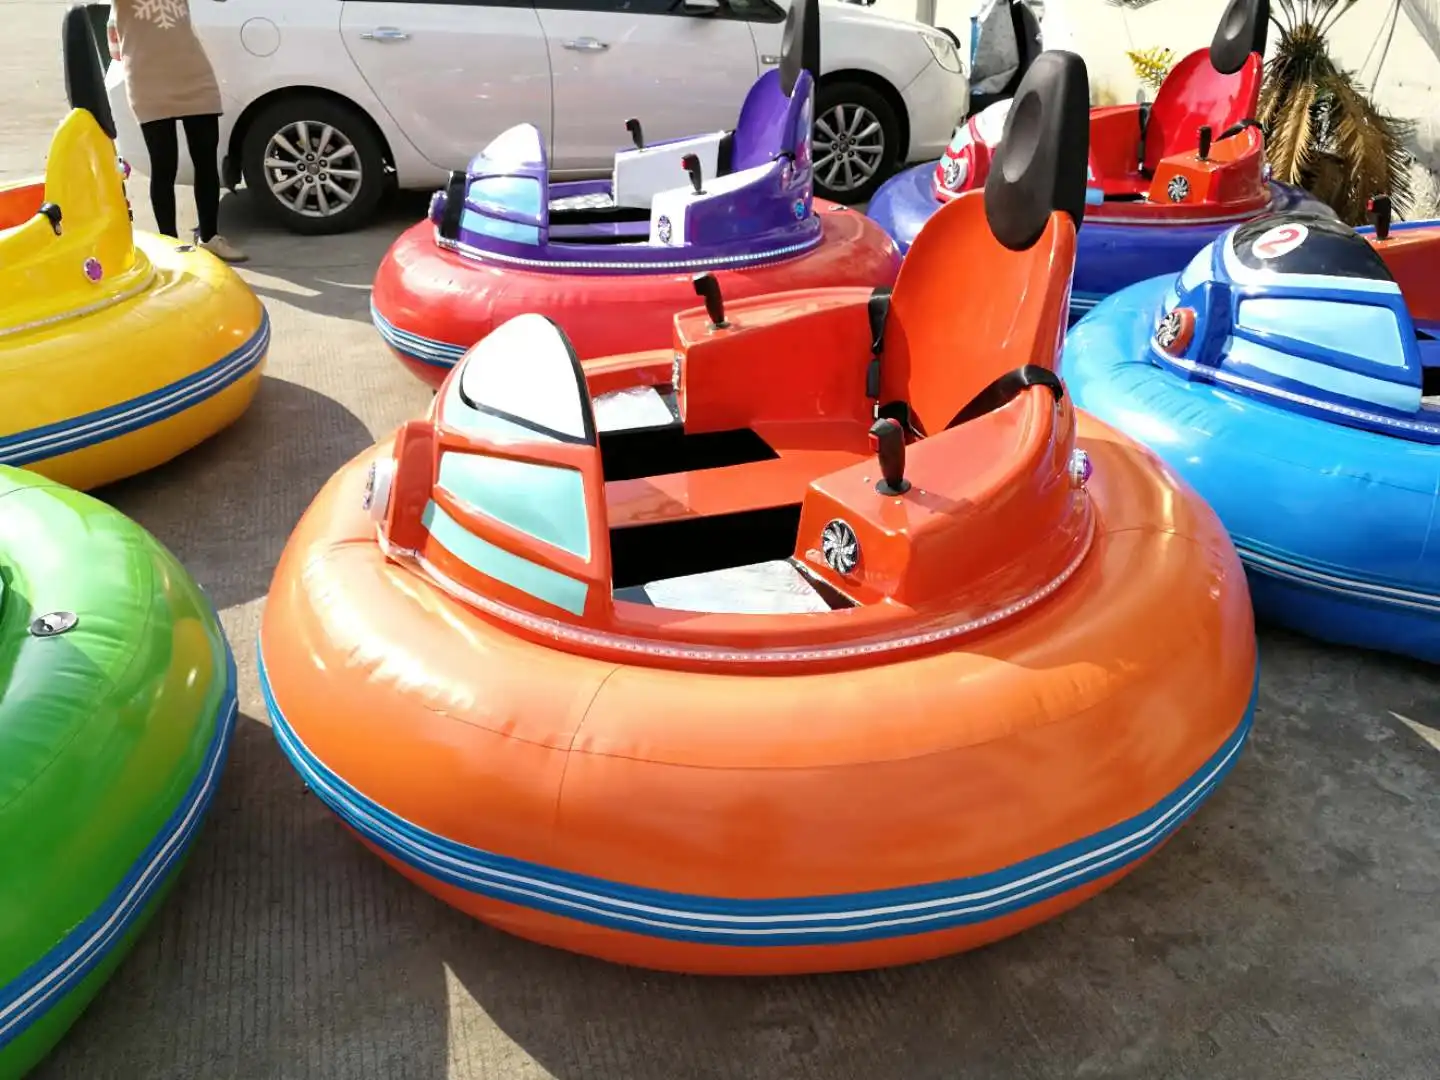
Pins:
x: 119, y: 349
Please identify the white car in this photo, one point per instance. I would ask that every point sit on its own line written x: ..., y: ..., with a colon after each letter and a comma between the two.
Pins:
x: 330, y: 102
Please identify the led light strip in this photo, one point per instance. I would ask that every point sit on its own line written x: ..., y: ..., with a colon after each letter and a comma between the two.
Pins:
x: 782, y: 254
x: 1238, y: 382
x: 87, y: 309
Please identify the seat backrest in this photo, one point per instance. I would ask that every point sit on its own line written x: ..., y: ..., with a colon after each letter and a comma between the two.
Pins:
x: 771, y: 123
x: 984, y: 288
x: 1194, y: 94
x: 84, y: 72
x: 777, y: 112
x: 1218, y: 86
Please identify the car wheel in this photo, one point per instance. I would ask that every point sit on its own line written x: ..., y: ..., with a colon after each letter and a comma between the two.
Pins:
x: 856, y: 141
x: 315, y: 165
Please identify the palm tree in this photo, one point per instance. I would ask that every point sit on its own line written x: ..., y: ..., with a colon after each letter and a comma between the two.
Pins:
x: 1323, y: 131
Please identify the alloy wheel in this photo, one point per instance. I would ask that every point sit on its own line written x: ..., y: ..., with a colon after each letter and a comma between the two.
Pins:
x: 849, y: 146
x: 313, y: 168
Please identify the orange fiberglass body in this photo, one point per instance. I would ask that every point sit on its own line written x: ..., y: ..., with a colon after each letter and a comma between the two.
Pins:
x: 654, y: 660
x: 1411, y: 249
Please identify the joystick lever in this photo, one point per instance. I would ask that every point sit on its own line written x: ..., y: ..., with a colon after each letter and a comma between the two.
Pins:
x: 691, y: 164
x: 1380, y: 211
x: 1207, y: 136
x: 887, y: 438
x: 633, y: 127
x: 708, y: 288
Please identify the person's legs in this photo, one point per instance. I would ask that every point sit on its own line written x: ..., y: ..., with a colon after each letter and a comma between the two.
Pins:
x: 202, y: 133
x: 164, y: 149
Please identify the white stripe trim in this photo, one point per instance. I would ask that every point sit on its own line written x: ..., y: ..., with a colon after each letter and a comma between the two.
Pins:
x: 874, y: 918
x: 83, y: 433
x: 1304, y: 575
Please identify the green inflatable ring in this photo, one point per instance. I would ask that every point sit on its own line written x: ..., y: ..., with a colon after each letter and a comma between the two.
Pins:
x: 117, y: 702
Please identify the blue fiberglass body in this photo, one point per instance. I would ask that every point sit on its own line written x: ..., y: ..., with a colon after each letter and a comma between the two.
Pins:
x: 1107, y: 257
x: 1284, y: 380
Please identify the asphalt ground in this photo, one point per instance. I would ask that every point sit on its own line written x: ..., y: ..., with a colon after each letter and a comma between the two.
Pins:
x: 1292, y: 930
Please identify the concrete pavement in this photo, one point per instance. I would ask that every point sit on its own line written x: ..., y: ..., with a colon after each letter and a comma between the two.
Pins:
x: 1293, y: 930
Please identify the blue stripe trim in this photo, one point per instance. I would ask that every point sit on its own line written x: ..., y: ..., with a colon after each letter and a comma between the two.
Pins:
x: 92, y: 429
x: 416, y: 347
x: 819, y: 920
x: 68, y: 963
x: 1287, y: 568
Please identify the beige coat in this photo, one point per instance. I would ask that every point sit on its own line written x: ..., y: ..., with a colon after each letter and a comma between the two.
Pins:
x: 166, y: 71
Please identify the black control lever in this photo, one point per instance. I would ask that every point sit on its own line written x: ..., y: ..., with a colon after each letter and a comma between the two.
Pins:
x: 1206, y: 138
x: 1380, y: 212
x: 633, y: 127
x: 708, y: 288
x: 51, y: 212
x: 691, y: 164
x: 1143, y: 112
x: 887, y: 438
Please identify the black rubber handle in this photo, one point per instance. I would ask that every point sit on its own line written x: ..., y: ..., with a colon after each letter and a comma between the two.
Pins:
x: 1240, y: 125
x: 51, y: 212
x: 691, y: 164
x: 888, y: 439
x: 708, y: 288
x: 1207, y: 136
x: 633, y: 127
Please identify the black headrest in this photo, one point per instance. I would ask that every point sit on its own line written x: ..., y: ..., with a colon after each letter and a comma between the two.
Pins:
x: 84, y: 76
x: 1242, y: 31
x: 800, y: 46
x: 1042, y: 161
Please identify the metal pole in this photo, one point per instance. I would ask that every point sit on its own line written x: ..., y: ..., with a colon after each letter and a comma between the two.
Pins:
x: 925, y: 12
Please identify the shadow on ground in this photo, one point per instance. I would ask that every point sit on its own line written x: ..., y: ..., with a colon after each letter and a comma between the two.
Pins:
x: 284, y: 951
x: 327, y: 275
x: 1288, y: 931
x: 244, y: 489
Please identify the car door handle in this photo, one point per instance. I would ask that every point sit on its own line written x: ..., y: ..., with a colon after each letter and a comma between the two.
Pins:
x: 385, y: 33
x: 586, y: 44
x: 769, y: 58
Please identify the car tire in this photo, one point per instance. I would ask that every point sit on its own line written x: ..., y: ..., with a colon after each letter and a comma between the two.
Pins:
x: 323, y: 209
x: 844, y: 110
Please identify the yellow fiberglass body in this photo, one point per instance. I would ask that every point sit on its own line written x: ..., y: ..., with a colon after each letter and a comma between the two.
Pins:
x: 118, y: 350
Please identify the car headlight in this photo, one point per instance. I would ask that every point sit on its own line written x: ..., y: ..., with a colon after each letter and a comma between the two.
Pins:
x: 942, y: 46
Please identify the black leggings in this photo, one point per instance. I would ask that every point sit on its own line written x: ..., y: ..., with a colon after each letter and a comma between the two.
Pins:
x: 203, y: 135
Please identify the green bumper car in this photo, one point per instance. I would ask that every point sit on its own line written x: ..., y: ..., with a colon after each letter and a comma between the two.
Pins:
x: 117, y: 702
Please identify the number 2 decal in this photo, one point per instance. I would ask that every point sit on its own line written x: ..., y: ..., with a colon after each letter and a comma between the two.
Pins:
x: 1281, y: 240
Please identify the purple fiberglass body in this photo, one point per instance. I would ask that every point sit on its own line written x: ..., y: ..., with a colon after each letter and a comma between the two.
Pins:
x: 727, y: 199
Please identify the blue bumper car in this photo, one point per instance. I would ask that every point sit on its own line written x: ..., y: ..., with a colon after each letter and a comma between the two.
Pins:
x: 1291, y: 376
